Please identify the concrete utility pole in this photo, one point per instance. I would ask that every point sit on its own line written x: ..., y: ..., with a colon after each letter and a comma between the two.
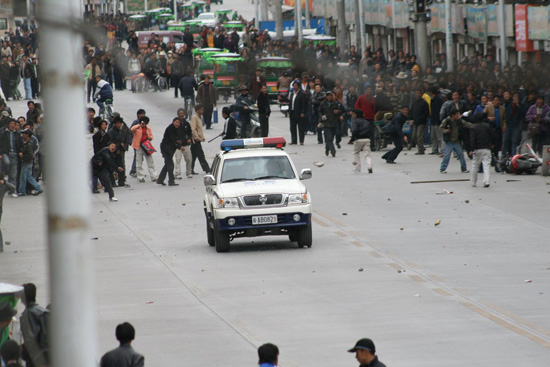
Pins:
x: 357, y: 24
x: 264, y: 5
x: 175, y: 10
x: 308, y: 15
x: 421, y: 32
x: 278, y: 14
x: 299, y: 22
x: 72, y: 332
x: 145, y: 4
x: 257, y: 14
x: 342, y: 36
x: 363, y: 45
x: 502, y: 33
x: 449, y: 49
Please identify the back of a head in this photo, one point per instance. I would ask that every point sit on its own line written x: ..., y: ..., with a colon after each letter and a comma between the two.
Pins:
x: 30, y: 292
x: 125, y: 333
x: 10, y: 351
x: 268, y: 353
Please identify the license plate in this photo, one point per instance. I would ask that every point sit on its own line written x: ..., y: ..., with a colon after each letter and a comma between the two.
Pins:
x: 225, y: 82
x: 264, y: 219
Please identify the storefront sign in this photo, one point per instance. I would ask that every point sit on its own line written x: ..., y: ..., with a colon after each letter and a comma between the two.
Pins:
x: 523, y: 43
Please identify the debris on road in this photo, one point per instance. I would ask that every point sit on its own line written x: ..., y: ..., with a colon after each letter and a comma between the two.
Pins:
x: 466, y: 201
x: 437, y: 222
x: 438, y: 181
x: 512, y: 181
x: 417, y: 295
x: 360, y: 269
x: 528, y: 281
x: 444, y: 192
x: 344, y: 213
x: 319, y: 163
x: 401, y: 228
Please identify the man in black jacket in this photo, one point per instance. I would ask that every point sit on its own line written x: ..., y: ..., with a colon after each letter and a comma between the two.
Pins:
x: 230, y: 127
x: 264, y: 110
x: 170, y: 143
x: 365, y: 353
x: 298, y: 109
x: 395, y: 130
x: 436, y: 104
x: 187, y: 86
x: 420, y: 113
x: 10, y: 146
x: 119, y: 134
x: 361, y: 135
x: 104, y: 165
x: 481, y: 135
x: 185, y: 134
x: 176, y: 73
x: 242, y: 105
x: 124, y: 355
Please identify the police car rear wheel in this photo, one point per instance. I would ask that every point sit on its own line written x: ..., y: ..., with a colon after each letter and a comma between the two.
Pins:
x: 221, y: 240
x: 304, y: 236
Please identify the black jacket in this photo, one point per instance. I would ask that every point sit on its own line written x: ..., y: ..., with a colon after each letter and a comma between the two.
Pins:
x: 185, y: 133
x: 100, y: 140
x: 481, y: 136
x: 170, y: 142
x: 104, y: 159
x: 420, y: 112
x: 230, y: 129
x: 361, y: 129
x: 300, y: 104
x: 188, y: 85
x: 436, y: 104
x: 5, y: 142
x: 120, y: 137
x: 263, y: 104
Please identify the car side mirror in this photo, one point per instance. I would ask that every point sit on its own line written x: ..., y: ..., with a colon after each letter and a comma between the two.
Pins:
x: 305, y: 174
x: 209, y: 180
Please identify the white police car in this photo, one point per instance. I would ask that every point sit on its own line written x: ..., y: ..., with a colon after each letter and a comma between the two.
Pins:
x: 255, y: 190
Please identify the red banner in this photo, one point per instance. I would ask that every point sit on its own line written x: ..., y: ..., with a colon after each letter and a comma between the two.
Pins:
x: 523, y: 43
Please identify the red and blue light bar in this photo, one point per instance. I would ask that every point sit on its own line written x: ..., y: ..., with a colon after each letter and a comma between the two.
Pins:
x: 276, y: 142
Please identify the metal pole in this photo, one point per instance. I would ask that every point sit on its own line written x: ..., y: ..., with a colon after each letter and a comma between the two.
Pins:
x: 502, y: 31
x: 449, y: 37
x: 257, y: 14
x: 357, y: 25
x: 308, y: 15
x: 145, y: 4
x: 342, y: 27
x: 278, y: 13
x: 73, y: 338
x: 363, y: 45
x: 175, y: 10
x: 264, y: 5
x: 299, y: 22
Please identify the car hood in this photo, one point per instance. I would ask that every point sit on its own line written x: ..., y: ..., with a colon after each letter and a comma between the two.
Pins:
x: 245, y: 188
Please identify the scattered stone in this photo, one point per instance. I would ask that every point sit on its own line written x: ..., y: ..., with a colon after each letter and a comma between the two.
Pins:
x: 7, y: 243
x: 437, y: 222
x: 183, y: 204
x: 528, y: 281
x: 94, y: 238
x: 15, y: 252
x: 319, y: 164
x: 401, y: 228
x: 417, y: 295
x: 149, y: 303
x: 360, y: 269
x: 389, y: 199
x: 344, y: 213
x: 467, y: 201
x: 399, y: 271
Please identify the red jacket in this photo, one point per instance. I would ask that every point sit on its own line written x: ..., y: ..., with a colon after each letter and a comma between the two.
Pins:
x: 366, y: 105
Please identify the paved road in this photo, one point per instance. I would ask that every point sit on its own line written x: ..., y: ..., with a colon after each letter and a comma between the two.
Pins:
x: 451, y: 294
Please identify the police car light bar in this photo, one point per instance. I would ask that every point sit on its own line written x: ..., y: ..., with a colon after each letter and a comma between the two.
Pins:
x: 277, y: 142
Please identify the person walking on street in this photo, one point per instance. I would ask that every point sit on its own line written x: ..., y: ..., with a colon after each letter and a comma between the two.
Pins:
x: 198, y: 138
x: 361, y: 135
x: 330, y: 118
x: 10, y: 146
x: 187, y: 86
x: 142, y: 133
x: 436, y: 104
x: 450, y: 128
x: 119, y: 134
x: 365, y: 353
x: 298, y: 110
x: 139, y: 113
x: 170, y: 143
x: 264, y: 110
x: 104, y: 166
x: 481, y: 135
x: 185, y: 134
x: 124, y: 355
x: 242, y: 105
x: 496, y: 114
x: 420, y: 112
x: 395, y: 130
x: 27, y: 156
x: 207, y: 95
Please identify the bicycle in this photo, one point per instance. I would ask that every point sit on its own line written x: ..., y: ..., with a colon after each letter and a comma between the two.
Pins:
x: 107, y: 111
x: 162, y: 83
x: 141, y: 84
x: 188, y: 106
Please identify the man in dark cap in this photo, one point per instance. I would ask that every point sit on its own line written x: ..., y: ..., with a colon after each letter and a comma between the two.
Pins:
x: 365, y: 353
x: 10, y: 353
x: 6, y: 315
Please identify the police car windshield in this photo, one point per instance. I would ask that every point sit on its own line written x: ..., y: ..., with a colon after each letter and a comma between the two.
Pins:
x: 257, y: 168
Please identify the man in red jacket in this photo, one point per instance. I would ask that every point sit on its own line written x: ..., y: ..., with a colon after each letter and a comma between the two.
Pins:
x: 365, y: 103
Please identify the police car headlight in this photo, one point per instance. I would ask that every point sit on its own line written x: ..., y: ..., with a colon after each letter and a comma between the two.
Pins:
x: 229, y: 203
x: 297, y: 198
